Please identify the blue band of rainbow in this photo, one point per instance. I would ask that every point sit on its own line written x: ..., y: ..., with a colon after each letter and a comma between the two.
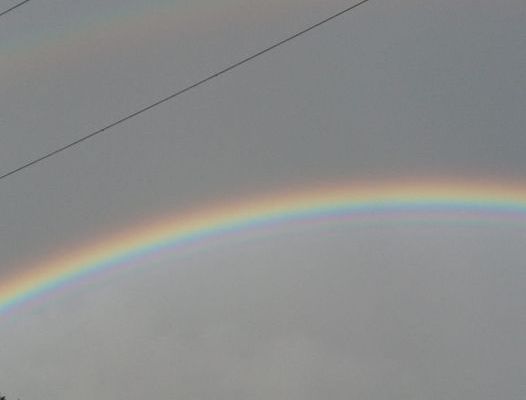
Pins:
x: 363, y: 201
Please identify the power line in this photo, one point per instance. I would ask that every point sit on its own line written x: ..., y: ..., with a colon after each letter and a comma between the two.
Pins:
x: 12, y: 8
x: 179, y: 92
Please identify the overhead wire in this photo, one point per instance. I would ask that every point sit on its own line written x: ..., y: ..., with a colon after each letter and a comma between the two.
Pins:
x: 13, y: 8
x: 180, y: 92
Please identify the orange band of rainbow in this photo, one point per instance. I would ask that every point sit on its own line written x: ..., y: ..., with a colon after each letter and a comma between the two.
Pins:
x: 360, y: 200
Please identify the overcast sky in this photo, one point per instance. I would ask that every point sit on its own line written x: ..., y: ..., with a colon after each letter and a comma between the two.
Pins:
x: 397, y: 88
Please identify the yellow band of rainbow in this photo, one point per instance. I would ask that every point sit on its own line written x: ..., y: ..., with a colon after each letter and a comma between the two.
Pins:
x: 481, y: 200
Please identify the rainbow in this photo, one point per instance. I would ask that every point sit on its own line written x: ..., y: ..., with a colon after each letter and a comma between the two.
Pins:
x: 126, y: 28
x: 349, y: 202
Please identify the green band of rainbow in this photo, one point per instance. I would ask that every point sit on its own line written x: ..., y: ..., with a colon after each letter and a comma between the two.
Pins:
x: 359, y: 200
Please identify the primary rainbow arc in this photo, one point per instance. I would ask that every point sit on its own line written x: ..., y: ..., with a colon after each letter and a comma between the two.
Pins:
x: 364, y: 200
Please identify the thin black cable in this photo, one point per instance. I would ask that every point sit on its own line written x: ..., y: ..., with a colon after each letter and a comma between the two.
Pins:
x: 180, y: 92
x: 12, y: 8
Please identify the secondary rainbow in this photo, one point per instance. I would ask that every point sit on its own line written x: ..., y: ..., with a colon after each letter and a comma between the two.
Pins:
x: 359, y: 200
x: 84, y: 36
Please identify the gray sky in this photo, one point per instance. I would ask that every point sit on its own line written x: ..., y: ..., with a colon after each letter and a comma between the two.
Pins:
x: 395, y: 89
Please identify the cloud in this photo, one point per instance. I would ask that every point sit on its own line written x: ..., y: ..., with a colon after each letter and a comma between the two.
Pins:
x: 381, y: 312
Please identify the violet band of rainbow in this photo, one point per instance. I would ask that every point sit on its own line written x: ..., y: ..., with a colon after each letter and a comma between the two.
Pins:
x: 363, y: 201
